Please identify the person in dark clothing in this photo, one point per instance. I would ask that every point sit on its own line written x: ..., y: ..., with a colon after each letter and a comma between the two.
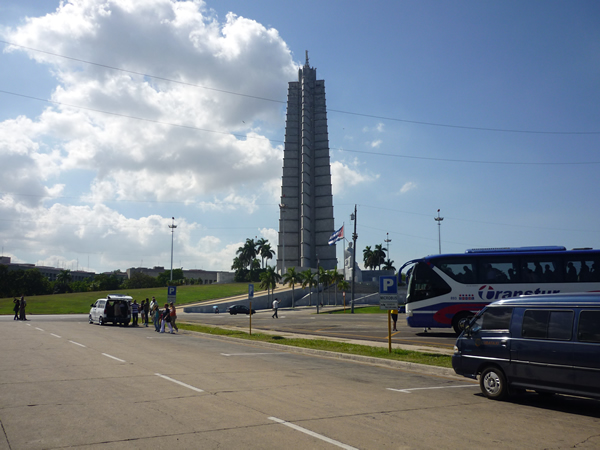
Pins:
x: 146, y: 311
x: 22, y: 305
x: 16, y: 308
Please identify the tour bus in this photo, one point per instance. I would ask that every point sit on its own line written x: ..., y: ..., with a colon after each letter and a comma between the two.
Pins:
x: 448, y: 290
x: 546, y: 343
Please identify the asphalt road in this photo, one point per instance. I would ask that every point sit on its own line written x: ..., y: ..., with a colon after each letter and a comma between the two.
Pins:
x: 65, y: 383
x: 364, y: 327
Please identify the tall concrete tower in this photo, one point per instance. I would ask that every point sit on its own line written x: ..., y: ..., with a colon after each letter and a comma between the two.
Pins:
x: 306, y: 208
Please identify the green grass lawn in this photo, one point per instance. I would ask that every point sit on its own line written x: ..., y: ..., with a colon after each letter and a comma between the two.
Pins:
x: 79, y: 302
x: 432, y: 359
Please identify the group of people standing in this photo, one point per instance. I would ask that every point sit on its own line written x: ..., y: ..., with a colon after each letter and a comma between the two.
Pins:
x: 160, y: 318
x: 19, y: 308
x: 164, y: 317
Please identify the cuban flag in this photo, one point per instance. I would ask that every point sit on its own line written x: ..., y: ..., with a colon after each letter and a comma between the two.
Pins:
x: 337, y: 236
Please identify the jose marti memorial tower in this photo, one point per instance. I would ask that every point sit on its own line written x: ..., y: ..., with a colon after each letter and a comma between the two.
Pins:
x: 306, y: 207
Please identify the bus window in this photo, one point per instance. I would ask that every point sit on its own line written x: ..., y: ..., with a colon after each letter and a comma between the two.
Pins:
x: 580, y: 271
x: 497, y: 270
x: 425, y: 283
x: 589, y: 326
x: 539, y: 269
x: 461, y: 270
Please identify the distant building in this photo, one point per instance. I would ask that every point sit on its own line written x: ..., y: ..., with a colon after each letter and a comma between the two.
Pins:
x: 49, y: 272
x: 306, y: 211
x: 206, y: 276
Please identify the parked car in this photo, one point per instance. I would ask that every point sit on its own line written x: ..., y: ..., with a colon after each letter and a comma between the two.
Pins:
x: 547, y: 343
x: 115, y: 309
x: 239, y: 309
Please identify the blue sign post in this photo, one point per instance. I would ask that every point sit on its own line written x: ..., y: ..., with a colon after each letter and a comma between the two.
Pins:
x: 172, y: 294
x: 388, y: 292
x: 250, y: 291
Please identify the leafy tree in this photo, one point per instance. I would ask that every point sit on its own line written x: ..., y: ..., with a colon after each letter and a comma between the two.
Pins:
x: 255, y: 271
x: 61, y: 285
x: 80, y: 286
x: 292, y: 277
x: 247, y: 253
x: 141, y: 280
x: 105, y: 282
x: 308, y: 279
x: 164, y: 278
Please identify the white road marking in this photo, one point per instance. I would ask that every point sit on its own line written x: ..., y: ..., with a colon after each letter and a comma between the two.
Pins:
x: 179, y: 382
x: 38, y: 329
x: 113, y: 357
x: 312, y: 433
x: 407, y: 391
x: 251, y: 354
x: 77, y: 343
x: 55, y: 335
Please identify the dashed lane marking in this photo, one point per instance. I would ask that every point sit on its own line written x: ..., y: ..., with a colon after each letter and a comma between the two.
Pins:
x: 313, y: 434
x: 179, y: 382
x: 114, y: 357
x: 408, y: 391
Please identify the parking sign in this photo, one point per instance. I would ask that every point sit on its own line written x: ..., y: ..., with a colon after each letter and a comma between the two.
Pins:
x: 172, y: 294
x: 388, y: 292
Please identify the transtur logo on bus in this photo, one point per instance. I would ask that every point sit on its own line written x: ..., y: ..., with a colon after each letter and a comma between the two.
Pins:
x: 487, y: 292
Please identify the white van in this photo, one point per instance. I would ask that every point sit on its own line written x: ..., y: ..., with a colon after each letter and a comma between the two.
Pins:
x: 115, y: 309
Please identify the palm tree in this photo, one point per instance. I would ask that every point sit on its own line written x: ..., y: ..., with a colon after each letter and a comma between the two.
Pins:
x: 247, y: 253
x: 292, y: 277
x: 368, y: 257
x: 259, y: 244
x: 378, y: 256
x: 269, y: 279
x: 308, y: 279
x: 389, y: 265
x: 335, y: 280
x: 325, y: 278
x: 64, y: 277
x: 266, y: 252
x: 237, y: 264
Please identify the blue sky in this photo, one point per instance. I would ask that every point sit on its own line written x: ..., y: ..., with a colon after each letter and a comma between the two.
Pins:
x: 489, y: 111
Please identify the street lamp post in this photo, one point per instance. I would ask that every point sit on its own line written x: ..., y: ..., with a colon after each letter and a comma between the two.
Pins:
x: 172, y: 227
x: 354, y: 238
x: 387, y: 241
x: 439, y: 219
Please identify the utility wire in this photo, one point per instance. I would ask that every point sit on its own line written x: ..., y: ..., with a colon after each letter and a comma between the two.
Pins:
x: 241, y: 136
x: 416, y: 122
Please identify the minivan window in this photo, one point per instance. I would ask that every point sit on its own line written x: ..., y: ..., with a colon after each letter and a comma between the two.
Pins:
x: 497, y: 319
x: 589, y: 326
x: 544, y: 324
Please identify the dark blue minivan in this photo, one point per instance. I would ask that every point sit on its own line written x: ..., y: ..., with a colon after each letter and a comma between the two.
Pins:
x: 546, y: 343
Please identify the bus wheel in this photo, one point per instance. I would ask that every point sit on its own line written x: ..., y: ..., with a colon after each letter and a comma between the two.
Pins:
x: 461, y: 320
x: 493, y: 383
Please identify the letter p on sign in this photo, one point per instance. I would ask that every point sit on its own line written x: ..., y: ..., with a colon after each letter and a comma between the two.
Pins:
x: 388, y: 285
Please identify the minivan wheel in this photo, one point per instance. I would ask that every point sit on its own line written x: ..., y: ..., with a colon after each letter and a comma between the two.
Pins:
x: 100, y: 321
x: 90, y: 319
x: 493, y: 383
x: 461, y: 320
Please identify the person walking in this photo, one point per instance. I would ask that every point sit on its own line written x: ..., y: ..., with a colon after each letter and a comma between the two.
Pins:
x: 155, y: 311
x: 275, y: 307
x: 146, y: 311
x: 135, y: 309
x: 16, y: 308
x: 173, y: 316
x: 22, y: 305
x: 166, y: 319
x: 394, y: 314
